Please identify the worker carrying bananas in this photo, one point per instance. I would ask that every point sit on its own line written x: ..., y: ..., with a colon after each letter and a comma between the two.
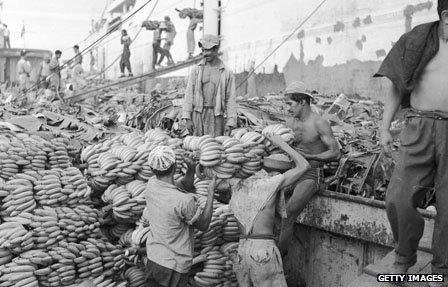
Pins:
x: 315, y: 141
x: 210, y: 100
x: 196, y: 16
x: 254, y: 203
x: 172, y: 212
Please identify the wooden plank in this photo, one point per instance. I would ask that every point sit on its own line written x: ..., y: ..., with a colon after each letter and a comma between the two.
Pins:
x: 356, y: 217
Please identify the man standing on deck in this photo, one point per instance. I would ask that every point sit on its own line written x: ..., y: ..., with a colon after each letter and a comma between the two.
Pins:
x: 417, y: 67
x: 210, y: 94
x: 172, y: 212
x: 24, y: 70
x: 157, y: 49
x: 77, y: 69
x: 125, y: 61
x: 316, y: 143
x: 6, y: 36
x: 55, y: 76
x: 254, y: 202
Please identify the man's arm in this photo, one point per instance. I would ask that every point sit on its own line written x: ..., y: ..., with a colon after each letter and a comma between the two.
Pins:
x: 203, y: 222
x: 187, y: 107
x: 231, y: 101
x: 187, y: 182
x: 293, y: 175
x: 391, y: 106
x: 326, y: 135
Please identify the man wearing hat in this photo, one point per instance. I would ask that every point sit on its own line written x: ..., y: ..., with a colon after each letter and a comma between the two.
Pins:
x: 316, y: 142
x: 210, y: 100
x: 170, y: 33
x: 24, y: 70
x: 172, y: 213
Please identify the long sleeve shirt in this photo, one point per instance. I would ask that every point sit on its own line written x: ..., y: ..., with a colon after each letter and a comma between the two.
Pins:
x: 23, y: 67
x: 225, y: 102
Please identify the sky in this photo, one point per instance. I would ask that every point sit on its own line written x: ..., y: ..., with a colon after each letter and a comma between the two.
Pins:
x: 50, y: 24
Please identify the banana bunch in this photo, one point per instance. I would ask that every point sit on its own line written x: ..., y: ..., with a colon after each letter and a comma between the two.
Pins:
x: 132, y: 140
x: 5, y: 256
x: 127, y: 201
x: 157, y: 135
x: 235, y: 151
x: 104, y: 281
x: 79, y: 223
x: 87, y: 257
x: 180, y: 164
x: 15, y: 237
x: 58, y: 155
x: 61, y: 271
x: 75, y: 186
x: 113, y: 257
x: 46, y: 227
x: 17, y: 197
x: 286, y: 133
x: 211, y: 151
x: 191, y: 143
x: 230, y: 228
x: 139, y: 236
x: 135, y: 276
x: 214, y: 268
x: 228, y: 249
x: 115, y: 230
x: 20, y: 275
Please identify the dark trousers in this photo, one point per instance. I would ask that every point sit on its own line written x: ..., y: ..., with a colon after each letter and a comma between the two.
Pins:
x: 159, y: 276
x: 423, y: 164
x: 7, y: 43
x: 125, y: 62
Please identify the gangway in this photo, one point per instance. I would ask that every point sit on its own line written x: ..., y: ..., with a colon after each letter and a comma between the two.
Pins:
x: 123, y: 82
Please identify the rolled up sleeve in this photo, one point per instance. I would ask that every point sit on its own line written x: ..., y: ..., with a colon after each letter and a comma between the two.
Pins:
x: 190, y: 211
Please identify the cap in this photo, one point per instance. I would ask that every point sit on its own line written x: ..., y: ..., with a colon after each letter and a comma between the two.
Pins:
x: 209, y: 41
x: 167, y: 18
x: 298, y: 87
x: 161, y: 158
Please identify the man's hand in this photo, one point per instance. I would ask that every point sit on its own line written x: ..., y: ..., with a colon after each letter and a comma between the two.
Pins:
x: 188, y: 123
x: 386, y: 141
x: 190, y: 163
x: 277, y: 140
x: 212, y: 186
x: 228, y: 130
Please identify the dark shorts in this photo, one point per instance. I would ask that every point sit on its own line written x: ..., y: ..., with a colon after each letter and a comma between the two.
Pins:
x: 159, y: 276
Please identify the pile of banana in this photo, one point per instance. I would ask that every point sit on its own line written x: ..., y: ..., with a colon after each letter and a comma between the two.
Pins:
x: 216, y: 270
x: 229, y: 250
x: 135, y: 276
x: 20, y: 152
x: 79, y: 223
x: 135, y: 237
x: 15, y: 237
x: 16, y: 197
x: 46, y: 228
x: 18, y: 275
x: 125, y: 202
x: 123, y: 159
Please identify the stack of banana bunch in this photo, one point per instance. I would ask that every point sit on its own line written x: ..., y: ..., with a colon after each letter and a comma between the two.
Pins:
x: 46, y: 228
x: 126, y: 202
x: 114, y: 230
x: 229, y: 249
x: 79, y: 223
x: 105, y: 281
x: 87, y: 257
x: 15, y: 237
x: 157, y: 135
x: 286, y: 133
x: 135, y: 276
x: 201, y: 190
x: 60, y: 187
x: 21, y: 152
x: 253, y: 143
x: 135, y: 237
x: 18, y: 275
x: 16, y: 196
x: 214, y: 268
x: 231, y: 232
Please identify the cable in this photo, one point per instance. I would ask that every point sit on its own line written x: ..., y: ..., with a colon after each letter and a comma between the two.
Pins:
x: 283, y: 42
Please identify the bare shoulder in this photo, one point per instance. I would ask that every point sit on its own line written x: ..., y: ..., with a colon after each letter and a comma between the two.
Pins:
x: 322, y: 125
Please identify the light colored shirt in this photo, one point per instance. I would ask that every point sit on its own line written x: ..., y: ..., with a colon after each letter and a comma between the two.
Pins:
x: 250, y: 196
x: 6, y: 32
x: 45, y: 70
x: 431, y: 90
x: 23, y: 67
x: 225, y: 101
x: 170, y: 214
x: 78, y: 58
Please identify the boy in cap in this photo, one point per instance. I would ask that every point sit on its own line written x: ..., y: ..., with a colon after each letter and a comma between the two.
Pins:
x: 210, y: 94
x: 316, y: 142
x: 24, y: 70
x: 172, y: 213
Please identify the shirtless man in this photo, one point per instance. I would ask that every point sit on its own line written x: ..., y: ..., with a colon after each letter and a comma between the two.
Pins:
x: 316, y: 143
x: 254, y: 202
x: 210, y: 99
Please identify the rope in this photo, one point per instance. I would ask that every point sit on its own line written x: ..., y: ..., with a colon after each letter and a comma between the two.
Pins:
x: 283, y: 42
